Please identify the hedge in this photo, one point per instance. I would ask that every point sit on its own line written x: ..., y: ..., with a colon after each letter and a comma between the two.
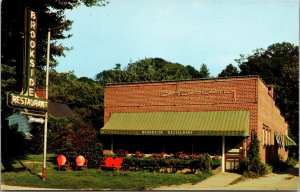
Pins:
x: 202, y: 163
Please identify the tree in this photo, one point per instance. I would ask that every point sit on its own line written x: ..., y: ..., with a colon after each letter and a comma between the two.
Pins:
x: 204, y: 72
x: 229, y: 71
x: 148, y: 69
x: 193, y: 72
x: 84, y: 96
x: 252, y: 166
x: 73, y: 137
x: 278, y: 65
x: 51, y: 14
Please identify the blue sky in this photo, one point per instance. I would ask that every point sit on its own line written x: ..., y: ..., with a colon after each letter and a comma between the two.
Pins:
x: 190, y: 32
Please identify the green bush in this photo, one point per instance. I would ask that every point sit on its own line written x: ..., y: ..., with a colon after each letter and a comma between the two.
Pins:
x: 252, y: 166
x: 78, y: 138
x: 291, y: 162
x: 202, y: 163
x: 121, y: 153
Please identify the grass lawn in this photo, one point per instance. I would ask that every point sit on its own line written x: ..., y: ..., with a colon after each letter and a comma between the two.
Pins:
x: 27, y: 173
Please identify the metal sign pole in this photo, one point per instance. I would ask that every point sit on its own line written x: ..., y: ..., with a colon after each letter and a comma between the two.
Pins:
x: 46, y: 115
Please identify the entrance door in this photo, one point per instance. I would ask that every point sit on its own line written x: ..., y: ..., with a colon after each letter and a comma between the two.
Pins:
x: 232, y: 159
x: 233, y: 153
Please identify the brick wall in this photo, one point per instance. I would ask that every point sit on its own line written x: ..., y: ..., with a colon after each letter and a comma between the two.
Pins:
x: 269, y: 116
x: 198, y: 95
x: 248, y: 93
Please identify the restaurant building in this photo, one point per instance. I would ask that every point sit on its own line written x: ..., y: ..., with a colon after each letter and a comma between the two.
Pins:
x: 215, y: 116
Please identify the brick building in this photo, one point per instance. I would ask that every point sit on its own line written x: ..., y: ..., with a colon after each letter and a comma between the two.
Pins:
x: 215, y: 116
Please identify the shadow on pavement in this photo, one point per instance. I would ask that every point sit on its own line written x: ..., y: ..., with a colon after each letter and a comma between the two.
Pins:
x: 292, y: 171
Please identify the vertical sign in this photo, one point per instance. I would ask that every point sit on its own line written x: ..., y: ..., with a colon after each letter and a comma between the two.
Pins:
x: 30, y: 53
x: 28, y: 97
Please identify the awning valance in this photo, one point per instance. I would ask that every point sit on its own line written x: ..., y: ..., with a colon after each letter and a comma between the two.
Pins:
x: 289, y: 141
x: 212, y: 123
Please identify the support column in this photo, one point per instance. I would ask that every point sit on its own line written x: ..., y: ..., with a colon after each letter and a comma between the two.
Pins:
x: 223, y: 153
x: 245, y: 148
x: 112, y: 143
x: 192, y: 145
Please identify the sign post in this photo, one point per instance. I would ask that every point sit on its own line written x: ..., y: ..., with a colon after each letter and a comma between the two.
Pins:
x: 46, y: 115
x: 28, y: 100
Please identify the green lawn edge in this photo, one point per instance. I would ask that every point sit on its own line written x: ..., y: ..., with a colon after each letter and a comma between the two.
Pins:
x: 27, y: 173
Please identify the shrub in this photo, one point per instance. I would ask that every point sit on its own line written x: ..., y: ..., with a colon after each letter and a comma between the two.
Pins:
x: 138, y: 154
x: 251, y: 169
x: 291, y: 162
x: 217, y: 157
x: 158, y: 155
x: 79, y: 138
x: 203, y: 163
x: 182, y: 155
x: 206, y: 162
x: 122, y: 153
x: 252, y: 166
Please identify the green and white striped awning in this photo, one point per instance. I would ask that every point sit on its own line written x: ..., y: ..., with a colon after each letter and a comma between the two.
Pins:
x: 289, y: 141
x: 212, y: 123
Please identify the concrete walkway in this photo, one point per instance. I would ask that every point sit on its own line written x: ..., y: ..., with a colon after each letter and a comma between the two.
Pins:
x: 287, y: 180
x: 19, y: 188
x: 217, y: 181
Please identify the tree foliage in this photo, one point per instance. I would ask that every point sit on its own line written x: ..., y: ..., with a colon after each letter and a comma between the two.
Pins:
x: 229, y: 70
x: 73, y: 137
x: 84, y: 96
x: 278, y: 65
x: 51, y: 14
x: 204, y: 71
x: 149, y: 69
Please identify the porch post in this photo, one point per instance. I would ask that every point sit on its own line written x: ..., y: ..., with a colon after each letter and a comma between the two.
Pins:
x: 223, y: 153
x: 112, y: 143
x: 192, y: 145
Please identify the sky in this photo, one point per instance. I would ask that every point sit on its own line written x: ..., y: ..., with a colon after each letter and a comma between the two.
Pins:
x: 189, y: 32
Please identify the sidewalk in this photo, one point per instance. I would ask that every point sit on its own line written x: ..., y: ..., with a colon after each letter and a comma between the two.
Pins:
x: 218, y: 181
x: 18, y: 188
x: 288, y: 180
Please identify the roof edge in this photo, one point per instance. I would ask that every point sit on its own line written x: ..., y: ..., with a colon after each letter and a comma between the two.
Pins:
x: 182, y: 80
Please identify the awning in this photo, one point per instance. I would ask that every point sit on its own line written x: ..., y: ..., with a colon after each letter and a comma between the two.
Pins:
x: 212, y: 123
x: 289, y: 141
x: 278, y: 140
